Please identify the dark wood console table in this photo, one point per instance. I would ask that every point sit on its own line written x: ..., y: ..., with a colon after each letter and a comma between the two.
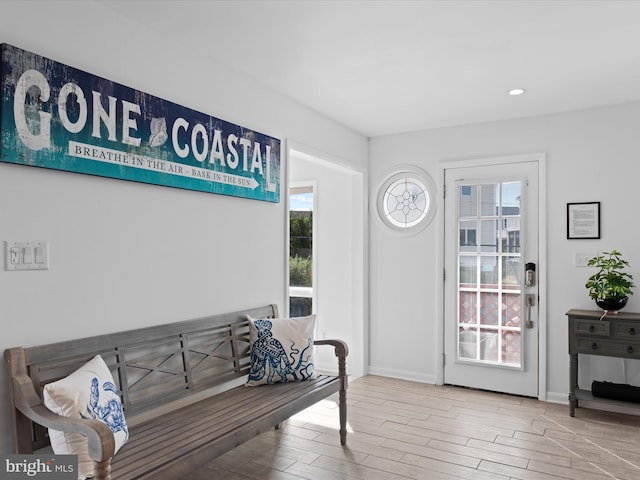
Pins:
x: 616, y: 335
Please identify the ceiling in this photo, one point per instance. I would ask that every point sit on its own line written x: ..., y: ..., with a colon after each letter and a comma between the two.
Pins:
x: 384, y: 67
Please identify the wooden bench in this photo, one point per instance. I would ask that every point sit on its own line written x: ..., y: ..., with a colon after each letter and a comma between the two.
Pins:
x: 182, y: 393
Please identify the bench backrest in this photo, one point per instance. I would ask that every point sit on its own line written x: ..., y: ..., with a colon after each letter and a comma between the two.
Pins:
x: 151, y: 366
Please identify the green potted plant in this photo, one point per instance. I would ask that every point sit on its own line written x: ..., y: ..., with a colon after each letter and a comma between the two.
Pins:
x: 610, y: 286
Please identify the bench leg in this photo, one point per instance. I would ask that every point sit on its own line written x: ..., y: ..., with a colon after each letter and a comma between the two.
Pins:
x: 342, y: 373
x: 343, y: 417
x: 278, y: 426
x: 102, y: 470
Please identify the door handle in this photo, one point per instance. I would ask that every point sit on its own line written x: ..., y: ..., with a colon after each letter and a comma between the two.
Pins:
x: 530, y: 301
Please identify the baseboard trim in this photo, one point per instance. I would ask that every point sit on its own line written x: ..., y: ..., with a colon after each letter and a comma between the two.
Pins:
x: 401, y: 374
x: 556, y: 397
x: 552, y: 397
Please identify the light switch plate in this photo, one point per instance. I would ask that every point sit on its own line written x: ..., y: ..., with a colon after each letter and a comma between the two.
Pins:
x: 32, y: 255
x: 580, y: 259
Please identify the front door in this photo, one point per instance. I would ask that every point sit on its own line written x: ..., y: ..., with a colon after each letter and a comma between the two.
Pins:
x: 491, y: 303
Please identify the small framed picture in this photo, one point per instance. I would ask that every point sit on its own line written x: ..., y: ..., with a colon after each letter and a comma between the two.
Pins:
x: 583, y: 220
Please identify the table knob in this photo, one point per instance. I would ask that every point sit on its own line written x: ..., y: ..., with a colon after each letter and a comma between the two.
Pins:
x: 632, y: 331
x: 593, y: 329
x: 630, y: 349
x: 594, y: 346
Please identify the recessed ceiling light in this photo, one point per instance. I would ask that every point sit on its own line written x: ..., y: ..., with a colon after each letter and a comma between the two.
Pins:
x: 516, y: 91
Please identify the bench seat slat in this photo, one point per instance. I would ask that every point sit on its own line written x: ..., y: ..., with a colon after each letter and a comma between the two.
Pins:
x: 225, y: 411
x: 230, y: 403
x: 201, y: 428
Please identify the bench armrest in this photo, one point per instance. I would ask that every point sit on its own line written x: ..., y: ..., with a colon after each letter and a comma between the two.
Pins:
x: 100, y: 437
x: 341, y: 350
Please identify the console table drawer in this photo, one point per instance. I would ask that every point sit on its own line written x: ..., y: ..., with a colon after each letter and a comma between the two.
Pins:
x: 597, y: 346
x: 626, y: 330
x: 592, y: 327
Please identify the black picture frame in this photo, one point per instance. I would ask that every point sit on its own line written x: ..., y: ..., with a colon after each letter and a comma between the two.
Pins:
x: 583, y: 220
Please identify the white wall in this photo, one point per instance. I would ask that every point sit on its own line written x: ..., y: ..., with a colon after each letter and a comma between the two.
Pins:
x: 592, y: 155
x: 123, y: 254
x: 340, y: 248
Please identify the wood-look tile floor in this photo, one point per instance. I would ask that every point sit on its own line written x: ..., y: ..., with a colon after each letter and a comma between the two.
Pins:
x: 400, y: 429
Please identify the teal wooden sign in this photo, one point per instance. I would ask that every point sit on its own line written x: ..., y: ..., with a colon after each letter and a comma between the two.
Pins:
x: 56, y: 116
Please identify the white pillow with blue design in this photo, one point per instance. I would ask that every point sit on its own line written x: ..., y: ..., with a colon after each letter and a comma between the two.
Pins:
x: 281, y: 349
x: 89, y: 392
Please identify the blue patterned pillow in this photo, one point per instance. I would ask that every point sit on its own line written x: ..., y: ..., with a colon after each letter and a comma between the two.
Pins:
x: 89, y: 392
x: 281, y: 349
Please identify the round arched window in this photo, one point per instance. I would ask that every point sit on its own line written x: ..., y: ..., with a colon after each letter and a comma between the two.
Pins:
x: 406, y: 200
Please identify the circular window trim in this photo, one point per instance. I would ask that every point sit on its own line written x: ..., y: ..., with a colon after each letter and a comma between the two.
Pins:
x: 397, y: 194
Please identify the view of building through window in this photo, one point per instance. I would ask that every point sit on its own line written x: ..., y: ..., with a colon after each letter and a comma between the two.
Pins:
x: 300, y: 251
x: 489, y: 275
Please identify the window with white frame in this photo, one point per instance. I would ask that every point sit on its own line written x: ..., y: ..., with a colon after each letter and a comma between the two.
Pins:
x: 301, y: 256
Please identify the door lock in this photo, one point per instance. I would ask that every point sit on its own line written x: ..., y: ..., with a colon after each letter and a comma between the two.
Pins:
x: 530, y: 274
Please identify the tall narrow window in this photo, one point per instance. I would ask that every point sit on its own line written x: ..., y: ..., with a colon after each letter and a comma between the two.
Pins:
x: 301, y: 251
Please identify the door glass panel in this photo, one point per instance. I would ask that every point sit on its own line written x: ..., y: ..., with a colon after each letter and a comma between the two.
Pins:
x: 468, y: 201
x: 511, y: 273
x: 468, y: 307
x: 489, y: 236
x: 468, y: 272
x: 490, y: 274
x: 468, y: 235
x: 489, y: 308
x: 467, y: 344
x: 510, y: 198
x: 488, y: 345
x: 488, y: 199
x: 512, y: 312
